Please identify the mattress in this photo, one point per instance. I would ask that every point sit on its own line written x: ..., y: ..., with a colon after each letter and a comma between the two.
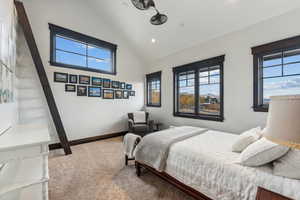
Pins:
x: 207, y: 164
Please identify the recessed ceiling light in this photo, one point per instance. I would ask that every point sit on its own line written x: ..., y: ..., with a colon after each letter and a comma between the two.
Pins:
x: 153, y: 40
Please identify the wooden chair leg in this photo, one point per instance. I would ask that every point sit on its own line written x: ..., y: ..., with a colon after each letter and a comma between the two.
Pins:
x: 126, y: 160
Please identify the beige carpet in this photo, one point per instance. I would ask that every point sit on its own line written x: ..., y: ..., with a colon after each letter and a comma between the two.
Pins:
x: 96, y: 171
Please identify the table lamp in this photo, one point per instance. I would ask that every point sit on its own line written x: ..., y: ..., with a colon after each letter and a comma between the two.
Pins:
x: 283, y: 123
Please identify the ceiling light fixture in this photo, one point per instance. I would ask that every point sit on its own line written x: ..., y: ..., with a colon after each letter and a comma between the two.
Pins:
x: 153, y: 40
x: 158, y: 18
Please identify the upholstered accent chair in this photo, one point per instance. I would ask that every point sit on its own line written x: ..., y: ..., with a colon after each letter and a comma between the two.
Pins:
x: 139, y: 123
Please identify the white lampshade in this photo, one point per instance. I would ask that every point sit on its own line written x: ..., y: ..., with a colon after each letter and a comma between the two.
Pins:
x: 283, y: 124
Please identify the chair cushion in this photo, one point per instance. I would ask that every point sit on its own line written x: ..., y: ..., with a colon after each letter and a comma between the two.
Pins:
x: 140, y: 127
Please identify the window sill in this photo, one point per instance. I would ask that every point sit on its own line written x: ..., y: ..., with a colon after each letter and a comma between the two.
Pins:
x: 155, y: 106
x: 200, y: 117
x: 80, y: 68
x: 260, y: 109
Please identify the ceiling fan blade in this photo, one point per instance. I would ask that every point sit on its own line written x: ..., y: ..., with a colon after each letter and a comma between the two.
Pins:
x: 143, y: 4
x: 159, y: 19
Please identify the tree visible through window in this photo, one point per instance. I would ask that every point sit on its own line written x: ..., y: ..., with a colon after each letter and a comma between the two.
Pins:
x: 75, y: 50
x: 186, y: 92
x: 276, y: 71
x: 209, y: 91
x: 154, y: 89
x: 198, y: 89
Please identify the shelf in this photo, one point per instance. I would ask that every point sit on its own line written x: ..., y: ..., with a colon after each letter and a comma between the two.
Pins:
x: 37, y: 191
x: 22, y: 136
x: 24, y: 141
x: 23, y: 173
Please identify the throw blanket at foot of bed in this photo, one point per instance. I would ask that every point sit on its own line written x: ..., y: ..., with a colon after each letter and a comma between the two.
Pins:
x: 154, y: 148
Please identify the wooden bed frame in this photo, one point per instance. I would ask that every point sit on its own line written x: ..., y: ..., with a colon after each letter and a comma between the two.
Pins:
x: 262, y: 194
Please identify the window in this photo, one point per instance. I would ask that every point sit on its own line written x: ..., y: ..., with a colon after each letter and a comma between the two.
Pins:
x: 198, y: 89
x: 154, y: 89
x: 276, y: 71
x: 75, y: 50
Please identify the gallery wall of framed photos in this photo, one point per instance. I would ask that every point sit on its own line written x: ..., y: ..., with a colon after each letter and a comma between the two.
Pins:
x: 89, y: 86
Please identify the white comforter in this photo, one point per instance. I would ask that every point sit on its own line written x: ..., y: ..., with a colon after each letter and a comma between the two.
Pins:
x: 206, y: 163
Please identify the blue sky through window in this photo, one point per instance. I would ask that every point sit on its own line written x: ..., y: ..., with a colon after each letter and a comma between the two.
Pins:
x: 72, y: 52
x: 281, y: 75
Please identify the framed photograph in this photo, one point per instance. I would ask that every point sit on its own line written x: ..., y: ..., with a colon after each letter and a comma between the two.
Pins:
x: 122, y: 85
x: 118, y: 94
x: 106, y: 83
x: 108, y: 94
x: 70, y: 88
x: 94, y: 91
x: 125, y: 94
x: 128, y: 87
x: 96, y: 81
x: 60, y: 77
x: 73, y: 78
x: 132, y: 93
x: 84, y: 80
x: 81, y: 90
x: 115, y: 84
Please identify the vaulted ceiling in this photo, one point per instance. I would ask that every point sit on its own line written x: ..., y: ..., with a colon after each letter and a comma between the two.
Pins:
x: 191, y: 22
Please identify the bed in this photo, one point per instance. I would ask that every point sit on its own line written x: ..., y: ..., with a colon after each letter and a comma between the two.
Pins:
x: 205, y: 167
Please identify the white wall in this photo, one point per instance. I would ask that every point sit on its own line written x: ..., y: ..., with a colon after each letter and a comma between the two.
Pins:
x: 238, y: 73
x: 84, y: 116
x: 8, y: 111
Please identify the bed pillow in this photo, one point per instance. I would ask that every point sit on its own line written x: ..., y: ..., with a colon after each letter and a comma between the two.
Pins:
x: 289, y: 165
x: 246, y: 138
x: 262, y: 152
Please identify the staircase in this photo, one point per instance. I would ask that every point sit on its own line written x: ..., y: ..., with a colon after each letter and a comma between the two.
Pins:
x: 31, y: 99
x: 26, y: 72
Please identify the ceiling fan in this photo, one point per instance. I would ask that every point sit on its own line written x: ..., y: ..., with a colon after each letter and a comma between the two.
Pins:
x: 158, y: 18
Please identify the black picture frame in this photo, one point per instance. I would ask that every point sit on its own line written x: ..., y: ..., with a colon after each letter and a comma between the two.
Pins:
x: 108, y: 94
x: 122, y: 85
x: 125, y: 94
x: 94, y: 91
x: 86, y: 80
x: 81, y: 90
x: 73, y: 78
x: 118, y: 94
x: 97, y: 81
x: 128, y: 86
x: 106, y: 83
x: 115, y: 84
x: 60, y: 77
x: 132, y: 93
x: 70, y: 88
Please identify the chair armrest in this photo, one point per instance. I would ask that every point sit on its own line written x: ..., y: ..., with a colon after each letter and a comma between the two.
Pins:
x: 130, y: 125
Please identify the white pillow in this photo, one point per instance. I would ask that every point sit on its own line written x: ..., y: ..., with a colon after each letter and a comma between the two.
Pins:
x: 246, y: 138
x: 262, y: 152
x: 289, y: 165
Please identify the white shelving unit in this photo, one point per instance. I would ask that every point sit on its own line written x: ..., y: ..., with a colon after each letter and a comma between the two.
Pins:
x: 24, y: 163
